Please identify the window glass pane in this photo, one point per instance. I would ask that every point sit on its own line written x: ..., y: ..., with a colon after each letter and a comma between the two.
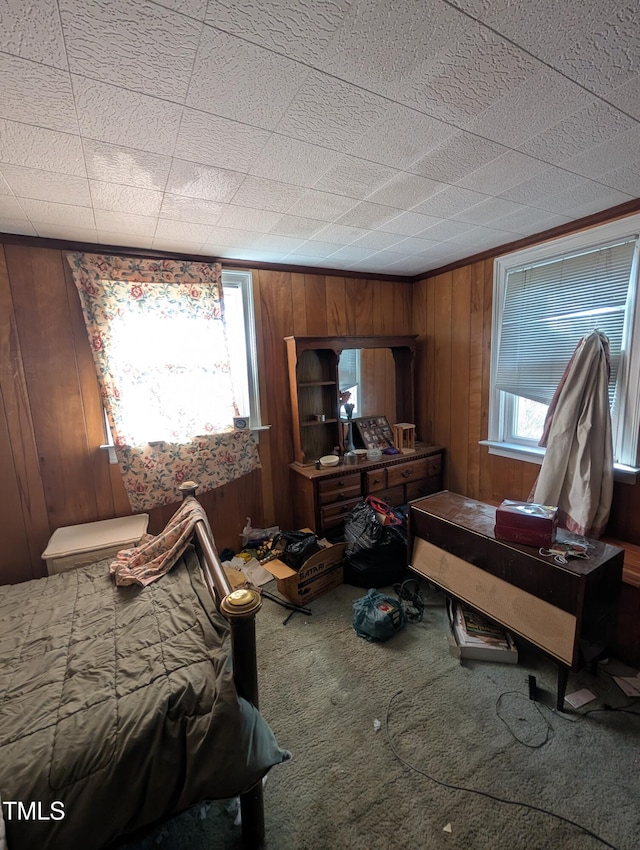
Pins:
x: 237, y: 345
x: 529, y: 418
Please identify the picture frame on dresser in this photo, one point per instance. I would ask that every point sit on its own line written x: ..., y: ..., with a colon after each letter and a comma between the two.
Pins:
x: 372, y: 432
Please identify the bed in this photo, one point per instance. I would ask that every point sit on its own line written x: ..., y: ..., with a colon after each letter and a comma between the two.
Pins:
x: 122, y: 706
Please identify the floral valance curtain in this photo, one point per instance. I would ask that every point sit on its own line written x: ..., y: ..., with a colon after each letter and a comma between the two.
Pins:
x: 158, y: 338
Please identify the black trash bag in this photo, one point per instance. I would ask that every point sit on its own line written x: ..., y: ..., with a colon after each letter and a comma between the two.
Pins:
x: 377, y: 617
x: 376, y: 553
x: 296, y: 547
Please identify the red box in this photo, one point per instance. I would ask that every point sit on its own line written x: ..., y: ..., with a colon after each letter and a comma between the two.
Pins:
x: 526, y: 523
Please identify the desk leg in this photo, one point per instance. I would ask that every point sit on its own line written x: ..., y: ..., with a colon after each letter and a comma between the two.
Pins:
x: 563, y: 678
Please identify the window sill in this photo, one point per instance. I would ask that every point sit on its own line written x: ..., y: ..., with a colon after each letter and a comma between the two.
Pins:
x: 535, y: 454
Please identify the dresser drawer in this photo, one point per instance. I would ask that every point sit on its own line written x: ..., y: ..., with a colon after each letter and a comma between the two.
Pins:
x: 339, y: 489
x: 434, y: 465
x: 418, y: 489
x: 404, y: 473
x: 336, y: 514
x: 393, y: 496
x: 376, y: 480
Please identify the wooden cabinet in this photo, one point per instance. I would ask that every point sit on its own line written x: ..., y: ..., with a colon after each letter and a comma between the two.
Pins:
x: 314, y: 389
x: 323, y: 498
x: 567, y: 610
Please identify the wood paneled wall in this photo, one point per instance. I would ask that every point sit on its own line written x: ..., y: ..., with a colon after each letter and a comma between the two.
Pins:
x: 52, y: 469
x: 452, y: 315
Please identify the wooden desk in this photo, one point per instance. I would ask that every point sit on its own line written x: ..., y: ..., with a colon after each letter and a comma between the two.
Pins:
x: 566, y: 610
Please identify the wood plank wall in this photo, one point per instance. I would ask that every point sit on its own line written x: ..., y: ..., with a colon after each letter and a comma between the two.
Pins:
x: 452, y: 315
x: 52, y: 469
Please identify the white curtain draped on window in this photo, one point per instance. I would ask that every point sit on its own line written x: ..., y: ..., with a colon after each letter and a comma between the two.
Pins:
x: 577, y: 471
x: 157, y: 334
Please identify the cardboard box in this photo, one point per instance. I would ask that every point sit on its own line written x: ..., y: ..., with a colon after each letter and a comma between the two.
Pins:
x: 76, y: 546
x: 526, y: 523
x: 318, y: 575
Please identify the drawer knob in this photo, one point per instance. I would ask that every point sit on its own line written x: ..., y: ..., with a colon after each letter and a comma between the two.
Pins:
x: 376, y: 480
x: 340, y: 483
x: 407, y: 473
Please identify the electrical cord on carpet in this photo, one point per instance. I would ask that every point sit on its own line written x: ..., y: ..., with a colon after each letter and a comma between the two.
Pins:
x: 487, y: 794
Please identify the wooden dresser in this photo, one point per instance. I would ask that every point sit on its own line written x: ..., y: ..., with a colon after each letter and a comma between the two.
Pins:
x: 567, y: 610
x: 323, y: 498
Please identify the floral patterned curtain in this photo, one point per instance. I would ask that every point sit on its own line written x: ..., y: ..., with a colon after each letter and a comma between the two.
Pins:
x: 158, y: 338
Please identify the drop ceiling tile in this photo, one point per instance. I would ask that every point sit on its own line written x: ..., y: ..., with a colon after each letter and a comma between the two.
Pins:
x: 627, y: 97
x: 468, y: 76
x: 448, y: 229
x: 267, y: 194
x: 251, y: 84
x: 322, y: 205
x: 5, y: 189
x: 127, y: 199
x: 623, y: 150
x: 31, y: 29
x: 585, y: 193
x: 231, y: 237
x: 541, y: 101
x: 66, y: 231
x: 368, y: 215
x: 211, y: 140
x: 301, y: 29
x: 384, y: 259
x: 47, y: 185
x: 408, y: 265
x: 530, y: 220
x: 135, y: 44
x: 118, y: 116
x: 460, y: 155
x: 259, y: 256
x: 108, y: 237
x: 117, y: 164
x: 245, y: 218
x: 414, y: 245
x: 297, y: 226
x: 192, y: 8
x: 627, y: 179
x: 502, y: 173
x: 405, y: 191
x: 36, y: 94
x: 17, y: 225
x: 316, y: 249
x: 293, y: 161
x: 48, y: 212
x: 448, y: 202
x: 332, y: 113
x: 340, y: 234
x: 387, y: 46
x: 350, y: 254
x: 607, y: 198
x: 402, y: 137
x: 489, y: 210
x: 354, y: 177
x: 578, y: 133
x: 185, y: 231
x: 36, y: 147
x: 409, y: 223
x: 378, y: 240
x: 194, y: 180
x: 10, y: 207
x: 548, y: 182
x: 177, y: 246
x: 271, y: 242
x: 197, y: 210
x: 118, y: 222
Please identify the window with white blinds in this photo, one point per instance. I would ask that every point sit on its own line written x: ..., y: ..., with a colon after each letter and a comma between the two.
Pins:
x: 547, y: 298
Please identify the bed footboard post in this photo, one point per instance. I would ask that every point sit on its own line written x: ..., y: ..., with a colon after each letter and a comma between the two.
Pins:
x: 240, y: 608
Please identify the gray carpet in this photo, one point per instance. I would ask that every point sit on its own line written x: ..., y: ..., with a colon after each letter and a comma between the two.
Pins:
x: 447, y: 730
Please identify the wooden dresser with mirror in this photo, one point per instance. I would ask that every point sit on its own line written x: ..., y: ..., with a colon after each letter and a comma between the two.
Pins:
x: 324, y: 497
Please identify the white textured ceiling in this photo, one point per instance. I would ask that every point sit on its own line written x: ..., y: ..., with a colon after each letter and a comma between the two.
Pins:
x: 390, y: 136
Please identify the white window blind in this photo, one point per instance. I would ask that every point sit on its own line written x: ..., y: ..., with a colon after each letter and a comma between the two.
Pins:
x: 348, y: 371
x: 549, y: 306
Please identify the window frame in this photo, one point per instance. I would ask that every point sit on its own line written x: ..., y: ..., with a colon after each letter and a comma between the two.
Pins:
x: 626, y: 435
x: 243, y: 280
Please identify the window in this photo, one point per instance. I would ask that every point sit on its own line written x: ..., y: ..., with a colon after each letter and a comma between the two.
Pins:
x: 545, y: 300
x: 349, y: 376
x: 241, y: 340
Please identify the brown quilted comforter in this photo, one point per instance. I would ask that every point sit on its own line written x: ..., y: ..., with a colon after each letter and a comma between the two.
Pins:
x: 117, y: 704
